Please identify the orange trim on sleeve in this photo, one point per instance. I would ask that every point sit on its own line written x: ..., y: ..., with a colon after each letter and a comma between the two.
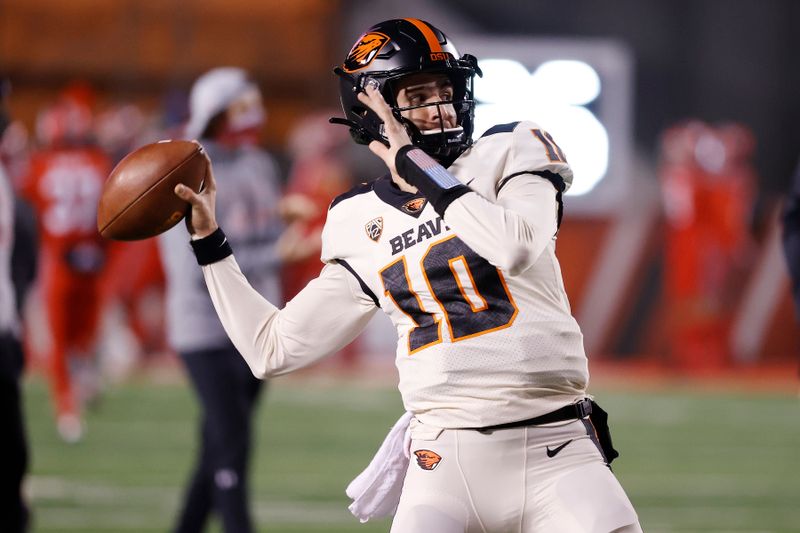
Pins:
x: 433, y: 42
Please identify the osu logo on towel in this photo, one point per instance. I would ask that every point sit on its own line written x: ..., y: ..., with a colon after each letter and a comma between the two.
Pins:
x: 427, y: 460
x: 374, y: 228
x: 364, y: 51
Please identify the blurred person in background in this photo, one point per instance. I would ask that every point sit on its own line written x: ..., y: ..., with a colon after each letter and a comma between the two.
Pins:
x: 134, y: 283
x: 120, y: 128
x: 456, y: 244
x: 708, y: 184
x: 14, y: 461
x: 791, y: 236
x: 226, y: 116
x: 14, y: 158
x: 63, y: 183
x: 14, y: 141
x: 319, y: 173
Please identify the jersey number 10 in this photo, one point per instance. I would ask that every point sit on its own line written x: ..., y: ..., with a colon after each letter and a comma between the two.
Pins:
x: 471, y: 292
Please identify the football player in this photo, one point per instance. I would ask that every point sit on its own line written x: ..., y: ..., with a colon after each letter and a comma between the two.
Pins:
x: 456, y: 244
x: 63, y: 183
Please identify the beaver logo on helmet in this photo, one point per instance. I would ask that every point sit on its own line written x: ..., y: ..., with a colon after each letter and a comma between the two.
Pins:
x: 364, y: 51
x: 427, y: 460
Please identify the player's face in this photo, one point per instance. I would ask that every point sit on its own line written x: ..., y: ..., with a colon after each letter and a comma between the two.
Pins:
x: 420, y: 89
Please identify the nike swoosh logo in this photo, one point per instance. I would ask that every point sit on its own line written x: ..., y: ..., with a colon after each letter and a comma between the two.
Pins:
x: 470, y: 181
x: 554, y: 451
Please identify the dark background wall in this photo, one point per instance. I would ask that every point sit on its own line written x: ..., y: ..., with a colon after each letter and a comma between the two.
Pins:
x: 717, y: 60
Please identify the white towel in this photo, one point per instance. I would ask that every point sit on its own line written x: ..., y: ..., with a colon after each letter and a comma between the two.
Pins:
x: 376, y: 491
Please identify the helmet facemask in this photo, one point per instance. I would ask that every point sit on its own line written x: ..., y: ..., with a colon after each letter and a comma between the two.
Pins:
x: 441, y: 142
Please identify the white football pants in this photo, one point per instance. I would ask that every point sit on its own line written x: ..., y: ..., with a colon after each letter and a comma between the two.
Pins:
x: 542, y: 479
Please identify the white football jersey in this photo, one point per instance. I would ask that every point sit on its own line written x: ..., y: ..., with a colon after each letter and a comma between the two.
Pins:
x: 478, y: 344
x: 485, y: 333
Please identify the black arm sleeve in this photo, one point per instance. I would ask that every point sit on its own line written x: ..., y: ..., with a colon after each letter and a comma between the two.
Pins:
x: 432, y: 179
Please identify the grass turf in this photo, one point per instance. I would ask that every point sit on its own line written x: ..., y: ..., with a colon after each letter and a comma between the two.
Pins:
x: 691, y: 461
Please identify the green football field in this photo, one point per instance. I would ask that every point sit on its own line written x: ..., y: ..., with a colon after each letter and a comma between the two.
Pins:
x: 692, y: 460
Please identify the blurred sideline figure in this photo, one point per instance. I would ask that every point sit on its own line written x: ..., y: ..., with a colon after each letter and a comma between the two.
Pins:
x: 134, y: 283
x: 226, y: 115
x: 791, y: 236
x: 456, y: 243
x: 319, y: 173
x: 14, y: 150
x: 14, y: 159
x: 708, y: 186
x: 14, y: 460
x: 63, y: 183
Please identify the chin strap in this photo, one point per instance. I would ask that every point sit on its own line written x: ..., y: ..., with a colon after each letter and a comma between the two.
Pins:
x: 360, y: 135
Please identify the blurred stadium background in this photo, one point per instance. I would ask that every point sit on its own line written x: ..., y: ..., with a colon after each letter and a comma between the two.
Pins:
x: 696, y: 355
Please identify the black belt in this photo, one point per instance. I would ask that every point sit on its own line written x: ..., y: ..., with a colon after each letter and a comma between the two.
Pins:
x: 573, y: 411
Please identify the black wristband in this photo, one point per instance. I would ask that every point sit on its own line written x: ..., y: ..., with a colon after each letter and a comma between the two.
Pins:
x: 432, y: 179
x: 211, y: 248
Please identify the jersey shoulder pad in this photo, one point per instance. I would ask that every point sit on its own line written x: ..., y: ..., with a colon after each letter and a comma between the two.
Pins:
x: 509, y: 150
x: 361, y: 188
x: 343, y: 214
x: 500, y: 128
x: 534, y: 151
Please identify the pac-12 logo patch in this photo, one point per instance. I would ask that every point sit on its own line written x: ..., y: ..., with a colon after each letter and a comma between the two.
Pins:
x: 427, y: 460
x: 374, y: 228
x: 364, y: 51
x: 414, y: 206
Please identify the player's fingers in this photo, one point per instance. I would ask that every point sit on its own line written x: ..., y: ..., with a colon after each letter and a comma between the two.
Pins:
x: 209, y: 183
x: 395, y: 132
x: 379, y: 149
x: 373, y: 98
x: 186, y: 194
x: 365, y: 99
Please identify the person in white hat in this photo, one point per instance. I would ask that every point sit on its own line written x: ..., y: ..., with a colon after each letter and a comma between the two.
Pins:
x: 226, y: 115
x: 229, y: 93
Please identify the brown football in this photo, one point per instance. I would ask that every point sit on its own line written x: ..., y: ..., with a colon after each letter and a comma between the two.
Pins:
x: 138, y: 199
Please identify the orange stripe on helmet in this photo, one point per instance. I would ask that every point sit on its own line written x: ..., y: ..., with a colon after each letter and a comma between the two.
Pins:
x: 433, y: 42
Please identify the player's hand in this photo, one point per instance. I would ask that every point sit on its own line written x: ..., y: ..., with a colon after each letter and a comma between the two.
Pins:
x: 297, y: 206
x: 295, y: 245
x: 395, y: 131
x: 201, y: 221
